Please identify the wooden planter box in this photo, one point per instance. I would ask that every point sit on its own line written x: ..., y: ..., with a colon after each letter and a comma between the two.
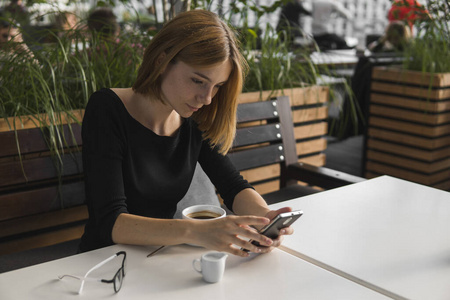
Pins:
x: 309, y: 113
x: 409, y: 126
x: 40, y: 206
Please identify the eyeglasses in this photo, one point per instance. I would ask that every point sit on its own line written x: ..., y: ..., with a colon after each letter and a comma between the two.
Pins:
x: 117, y: 279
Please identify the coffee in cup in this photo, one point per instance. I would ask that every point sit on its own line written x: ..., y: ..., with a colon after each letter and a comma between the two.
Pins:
x: 203, y: 212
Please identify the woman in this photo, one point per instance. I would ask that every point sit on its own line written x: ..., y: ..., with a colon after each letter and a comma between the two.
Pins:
x: 141, y: 145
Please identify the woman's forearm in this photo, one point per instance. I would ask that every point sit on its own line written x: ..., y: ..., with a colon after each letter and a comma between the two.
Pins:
x: 220, y: 234
x: 249, y: 202
x: 137, y: 230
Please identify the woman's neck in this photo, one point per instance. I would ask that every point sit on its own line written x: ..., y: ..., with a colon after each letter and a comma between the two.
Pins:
x: 151, y: 113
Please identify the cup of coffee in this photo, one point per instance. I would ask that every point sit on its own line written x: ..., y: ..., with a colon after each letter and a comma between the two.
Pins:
x: 203, y: 212
x: 211, y: 265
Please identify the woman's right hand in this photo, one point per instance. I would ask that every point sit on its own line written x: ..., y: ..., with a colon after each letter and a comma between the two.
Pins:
x: 230, y: 234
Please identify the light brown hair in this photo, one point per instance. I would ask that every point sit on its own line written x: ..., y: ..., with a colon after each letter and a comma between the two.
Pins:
x: 198, y: 38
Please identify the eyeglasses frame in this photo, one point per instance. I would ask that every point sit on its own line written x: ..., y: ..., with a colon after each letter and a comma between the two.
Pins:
x: 113, y: 281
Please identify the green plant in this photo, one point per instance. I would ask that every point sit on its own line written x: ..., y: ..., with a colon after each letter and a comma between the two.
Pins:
x: 429, y: 51
x: 275, y: 65
x: 62, y: 75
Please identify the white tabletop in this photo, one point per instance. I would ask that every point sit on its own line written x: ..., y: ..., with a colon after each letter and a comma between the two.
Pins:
x: 169, y: 275
x: 385, y: 233
x: 335, y: 57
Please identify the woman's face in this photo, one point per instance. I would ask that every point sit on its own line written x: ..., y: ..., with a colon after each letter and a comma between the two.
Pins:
x: 187, y: 88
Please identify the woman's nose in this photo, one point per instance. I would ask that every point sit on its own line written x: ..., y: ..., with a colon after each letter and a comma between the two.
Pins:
x: 206, y: 97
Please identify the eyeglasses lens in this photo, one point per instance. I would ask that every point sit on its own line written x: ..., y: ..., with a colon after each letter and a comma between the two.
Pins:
x: 118, y: 279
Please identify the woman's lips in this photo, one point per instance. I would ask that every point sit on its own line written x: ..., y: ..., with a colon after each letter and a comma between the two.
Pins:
x: 193, y: 108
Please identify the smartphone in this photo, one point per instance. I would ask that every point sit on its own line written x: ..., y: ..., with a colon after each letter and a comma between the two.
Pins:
x: 272, y: 230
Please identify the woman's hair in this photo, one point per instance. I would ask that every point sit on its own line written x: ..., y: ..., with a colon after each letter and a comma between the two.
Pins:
x: 198, y: 38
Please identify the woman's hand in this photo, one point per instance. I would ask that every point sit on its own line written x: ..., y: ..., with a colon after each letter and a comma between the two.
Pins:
x: 231, y: 233
x: 285, y: 231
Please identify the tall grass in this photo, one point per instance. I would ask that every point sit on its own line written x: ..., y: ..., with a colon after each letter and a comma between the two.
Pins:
x: 63, y: 74
x: 429, y: 51
x: 274, y: 63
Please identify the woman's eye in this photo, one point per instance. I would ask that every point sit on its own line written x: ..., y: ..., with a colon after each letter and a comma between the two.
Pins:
x: 196, y: 81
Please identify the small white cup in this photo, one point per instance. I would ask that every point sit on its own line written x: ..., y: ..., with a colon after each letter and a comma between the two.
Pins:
x: 211, y: 265
x: 203, y: 212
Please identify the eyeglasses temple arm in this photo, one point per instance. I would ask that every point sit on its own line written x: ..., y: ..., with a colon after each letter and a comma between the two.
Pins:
x: 94, y: 268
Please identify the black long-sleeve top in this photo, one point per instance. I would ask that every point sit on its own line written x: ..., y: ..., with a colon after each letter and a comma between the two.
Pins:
x: 130, y: 169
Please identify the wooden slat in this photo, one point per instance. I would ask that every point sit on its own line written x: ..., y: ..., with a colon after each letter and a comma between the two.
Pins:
x: 317, y: 160
x: 406, y: 174
x: 262, y: 173
x: 36, y: 169
x: 443, y: 185
x: 411, y: 91
x: 408, y: 115
x: 420, y: 105
x: 257, y: 135
x: 427, y: 131
x: 422, y: 142
x: 311, y: 146
x: 413, y: 151
x: 32, y: 140
x: 310, y: 114
x: 423, y: 167
x: 256, y: 157
x: 309, y: 96
x: 249, y: 112
x: 311, y: 130
x: 42, y: 240
x: 398, y: 74
x: 26, y: 122
x: 298, y: 96
x: 35, y: 201
x: 44, y: 220
x: 267, y: 187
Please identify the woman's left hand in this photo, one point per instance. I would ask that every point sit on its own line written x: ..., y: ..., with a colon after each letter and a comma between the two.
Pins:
x: 285, y: 231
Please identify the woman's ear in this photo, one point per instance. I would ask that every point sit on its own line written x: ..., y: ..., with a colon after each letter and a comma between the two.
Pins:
x: 160, y: 58
x: 159, y: 61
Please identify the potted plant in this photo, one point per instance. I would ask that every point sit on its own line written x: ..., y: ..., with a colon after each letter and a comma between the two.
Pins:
x: 409, y: 120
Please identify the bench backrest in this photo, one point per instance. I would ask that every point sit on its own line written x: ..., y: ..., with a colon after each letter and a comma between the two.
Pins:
x: 264, y: 140
x: 41, y: 202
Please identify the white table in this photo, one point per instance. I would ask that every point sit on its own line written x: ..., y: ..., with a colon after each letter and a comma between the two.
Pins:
x: 169, y: 275
x: 387, y: 234
x: 335, y: 57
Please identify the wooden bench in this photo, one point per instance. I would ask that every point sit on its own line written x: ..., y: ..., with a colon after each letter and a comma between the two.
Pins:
x: 39, y: 205
x: 265, y: 150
